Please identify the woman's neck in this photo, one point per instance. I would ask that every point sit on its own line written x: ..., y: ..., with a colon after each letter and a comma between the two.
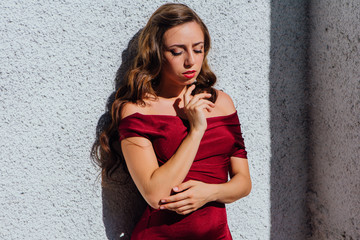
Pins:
x: 170, y: 91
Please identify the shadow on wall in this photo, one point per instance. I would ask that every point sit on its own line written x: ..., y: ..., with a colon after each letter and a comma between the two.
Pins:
x: 123, y: 205
x: 288, y: 119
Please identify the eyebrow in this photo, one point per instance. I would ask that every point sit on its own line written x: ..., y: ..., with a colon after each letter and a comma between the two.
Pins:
x: 183, y: 46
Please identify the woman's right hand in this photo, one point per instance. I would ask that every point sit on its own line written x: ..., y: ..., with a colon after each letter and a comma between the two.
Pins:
x: 194, y: 107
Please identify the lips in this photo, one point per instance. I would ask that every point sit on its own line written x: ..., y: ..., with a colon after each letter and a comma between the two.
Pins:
x: 189, y: 74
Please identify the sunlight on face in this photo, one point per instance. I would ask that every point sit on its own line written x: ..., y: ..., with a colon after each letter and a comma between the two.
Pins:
x: 183, y: 54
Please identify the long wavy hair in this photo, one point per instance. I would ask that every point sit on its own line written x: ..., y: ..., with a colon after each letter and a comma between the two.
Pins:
x: 143, y: 76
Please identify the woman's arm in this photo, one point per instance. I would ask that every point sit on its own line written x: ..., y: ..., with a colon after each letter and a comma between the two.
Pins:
x: 155, y: 182
x: 239, y: 185
x: 194, y: 194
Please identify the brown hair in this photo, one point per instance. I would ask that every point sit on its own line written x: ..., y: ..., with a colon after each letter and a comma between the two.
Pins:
x: 143, y: 76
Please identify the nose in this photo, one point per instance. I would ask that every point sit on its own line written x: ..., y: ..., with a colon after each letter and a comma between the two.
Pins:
x: 190, y: 59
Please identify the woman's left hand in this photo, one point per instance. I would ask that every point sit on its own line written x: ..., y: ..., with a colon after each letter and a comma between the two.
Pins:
x: 191, y: 195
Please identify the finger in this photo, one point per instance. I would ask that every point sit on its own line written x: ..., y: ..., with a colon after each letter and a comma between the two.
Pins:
x: 202, y: 102
x: 183, y: 186
x: 175, y: 205
x: 199, y: 96
x: 187, y: 95
x: 199, y: 106
x: 185, y: 210
x: 174, y: 198
x: 209, y: 109
x: 196, y: 98
x: 194, y: 104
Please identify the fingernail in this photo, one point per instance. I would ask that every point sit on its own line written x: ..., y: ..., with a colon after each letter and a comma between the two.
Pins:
x: 175, y: 188
x: 162, y: 207
x: 162, y: 200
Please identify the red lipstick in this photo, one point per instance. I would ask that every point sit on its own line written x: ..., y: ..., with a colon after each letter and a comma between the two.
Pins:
x: 189, y: 74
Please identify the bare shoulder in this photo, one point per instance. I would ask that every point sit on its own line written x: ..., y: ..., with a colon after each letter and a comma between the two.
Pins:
x: 130, y: 108
x: 224, y: 103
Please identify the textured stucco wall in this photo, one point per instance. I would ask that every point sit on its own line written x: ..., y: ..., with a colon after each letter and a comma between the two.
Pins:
x: 58, y: 63
x: 334, y: 83
x: 288, y: 124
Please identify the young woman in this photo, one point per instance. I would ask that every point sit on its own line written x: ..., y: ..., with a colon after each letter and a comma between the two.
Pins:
x: 179, y: 137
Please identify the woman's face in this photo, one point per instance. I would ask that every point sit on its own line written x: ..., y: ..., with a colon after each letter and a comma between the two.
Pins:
x: 183, y: 54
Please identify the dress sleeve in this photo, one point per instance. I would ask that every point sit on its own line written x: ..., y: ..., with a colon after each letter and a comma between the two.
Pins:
x: 239, y: 146
x: 133, y: 126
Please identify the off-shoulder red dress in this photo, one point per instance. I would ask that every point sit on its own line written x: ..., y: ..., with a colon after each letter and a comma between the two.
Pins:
x: 222, y: 139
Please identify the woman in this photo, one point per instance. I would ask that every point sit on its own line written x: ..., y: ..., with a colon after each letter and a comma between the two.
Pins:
x: 179, y: 136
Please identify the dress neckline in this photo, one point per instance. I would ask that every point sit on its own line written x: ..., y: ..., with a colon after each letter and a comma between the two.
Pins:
x: 176, y: 116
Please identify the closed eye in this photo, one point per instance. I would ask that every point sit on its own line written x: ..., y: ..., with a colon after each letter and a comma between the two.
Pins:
x: 174, y: 53
x: 199, y: 49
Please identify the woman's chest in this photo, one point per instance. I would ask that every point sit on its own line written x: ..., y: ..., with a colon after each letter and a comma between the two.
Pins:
x: 217, y: 140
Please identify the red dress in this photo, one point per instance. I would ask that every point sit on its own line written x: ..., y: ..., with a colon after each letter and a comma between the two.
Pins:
x: 222, y: 139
